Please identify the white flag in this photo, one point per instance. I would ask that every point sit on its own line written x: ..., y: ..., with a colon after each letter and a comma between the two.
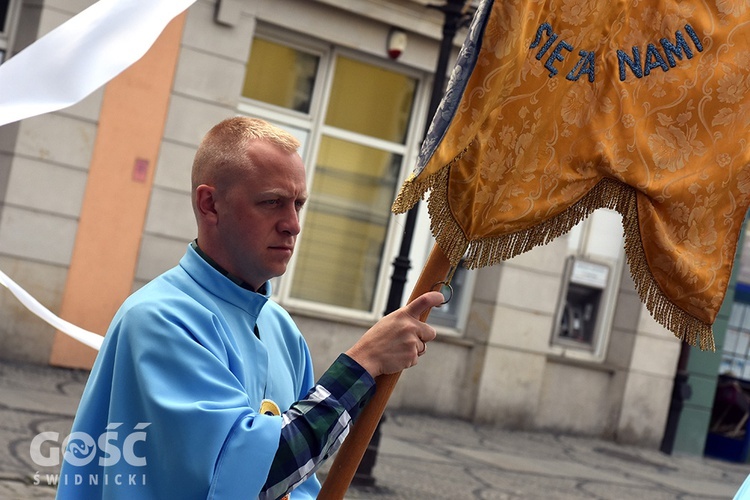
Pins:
x: 68, y: 64
x: 86, y: 337
x: 81, y: 55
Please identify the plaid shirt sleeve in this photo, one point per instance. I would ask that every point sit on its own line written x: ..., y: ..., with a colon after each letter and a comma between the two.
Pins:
x: 314, y: 427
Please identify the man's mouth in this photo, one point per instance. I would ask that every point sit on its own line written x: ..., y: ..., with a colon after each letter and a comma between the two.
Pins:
x: 286, y: 248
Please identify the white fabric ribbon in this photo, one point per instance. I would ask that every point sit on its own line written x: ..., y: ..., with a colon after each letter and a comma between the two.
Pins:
x: 86, y: 337
x: 81, y: 55
x: 65, y: 66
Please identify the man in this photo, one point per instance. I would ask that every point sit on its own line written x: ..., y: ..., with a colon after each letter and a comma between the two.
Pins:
x: 174, y: 407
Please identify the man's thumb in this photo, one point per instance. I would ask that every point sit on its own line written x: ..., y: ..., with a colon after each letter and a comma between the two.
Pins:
x: 424, y: 303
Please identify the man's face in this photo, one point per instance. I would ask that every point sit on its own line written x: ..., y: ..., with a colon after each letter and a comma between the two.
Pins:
x: 258, y: 215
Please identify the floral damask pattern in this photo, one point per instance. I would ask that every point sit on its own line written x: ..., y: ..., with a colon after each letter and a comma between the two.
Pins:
x: 559, y: 107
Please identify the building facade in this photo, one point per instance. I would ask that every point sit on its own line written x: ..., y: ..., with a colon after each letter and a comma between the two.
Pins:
x: 95, y: 202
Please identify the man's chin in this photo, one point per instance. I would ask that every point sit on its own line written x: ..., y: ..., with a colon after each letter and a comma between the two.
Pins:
x: 278, y: 271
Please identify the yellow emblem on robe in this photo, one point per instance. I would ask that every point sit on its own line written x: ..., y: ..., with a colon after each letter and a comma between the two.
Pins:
x: 268, y: 407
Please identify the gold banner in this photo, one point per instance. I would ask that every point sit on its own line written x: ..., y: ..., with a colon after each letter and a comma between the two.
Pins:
x: 572, y: 105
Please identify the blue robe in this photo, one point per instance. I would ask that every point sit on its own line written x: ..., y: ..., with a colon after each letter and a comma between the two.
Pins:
x: 744, y: 492
x: 183, y: 374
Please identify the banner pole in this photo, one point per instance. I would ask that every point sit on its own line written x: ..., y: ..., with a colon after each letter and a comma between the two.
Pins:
x: 350, y: 454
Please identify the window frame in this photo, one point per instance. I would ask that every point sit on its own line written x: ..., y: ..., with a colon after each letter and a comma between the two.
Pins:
x: 455, y: 324
x: 314, y: 123
x: 286, y: 116
x: 422, y: 245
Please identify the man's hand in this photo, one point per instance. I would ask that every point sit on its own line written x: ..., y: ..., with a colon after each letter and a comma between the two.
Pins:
x: 395, y: 342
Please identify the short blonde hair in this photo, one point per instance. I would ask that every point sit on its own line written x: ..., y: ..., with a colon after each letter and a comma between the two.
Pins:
x: 223, y: 150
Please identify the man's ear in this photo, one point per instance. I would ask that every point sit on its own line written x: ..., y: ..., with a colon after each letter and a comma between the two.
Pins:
x: 205, y: 203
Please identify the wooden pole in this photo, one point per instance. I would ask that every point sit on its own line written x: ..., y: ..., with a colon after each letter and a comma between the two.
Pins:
x: 350, y: 454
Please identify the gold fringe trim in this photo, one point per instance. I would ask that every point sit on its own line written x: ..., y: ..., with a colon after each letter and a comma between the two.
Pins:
x: 608, y: 193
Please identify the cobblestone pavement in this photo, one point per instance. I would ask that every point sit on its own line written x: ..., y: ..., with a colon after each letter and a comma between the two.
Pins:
x: 420, y: 457
x: 423, y: 457
x: 33, y: 399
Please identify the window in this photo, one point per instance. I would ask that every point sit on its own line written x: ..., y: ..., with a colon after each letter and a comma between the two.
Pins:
x: 7, y: 16
x: 735, y: 356
x: 280, y: 75
x: 453, y: 314
x: 346, y: 224
x: 354, y: 117
x: 4, y: 8
x: 452, y: 317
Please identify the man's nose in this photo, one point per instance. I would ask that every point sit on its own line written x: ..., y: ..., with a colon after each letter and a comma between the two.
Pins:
x: 289, y: 223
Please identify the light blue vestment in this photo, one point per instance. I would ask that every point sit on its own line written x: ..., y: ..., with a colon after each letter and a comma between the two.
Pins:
x: 744, y: 492
x: 183, y: 374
